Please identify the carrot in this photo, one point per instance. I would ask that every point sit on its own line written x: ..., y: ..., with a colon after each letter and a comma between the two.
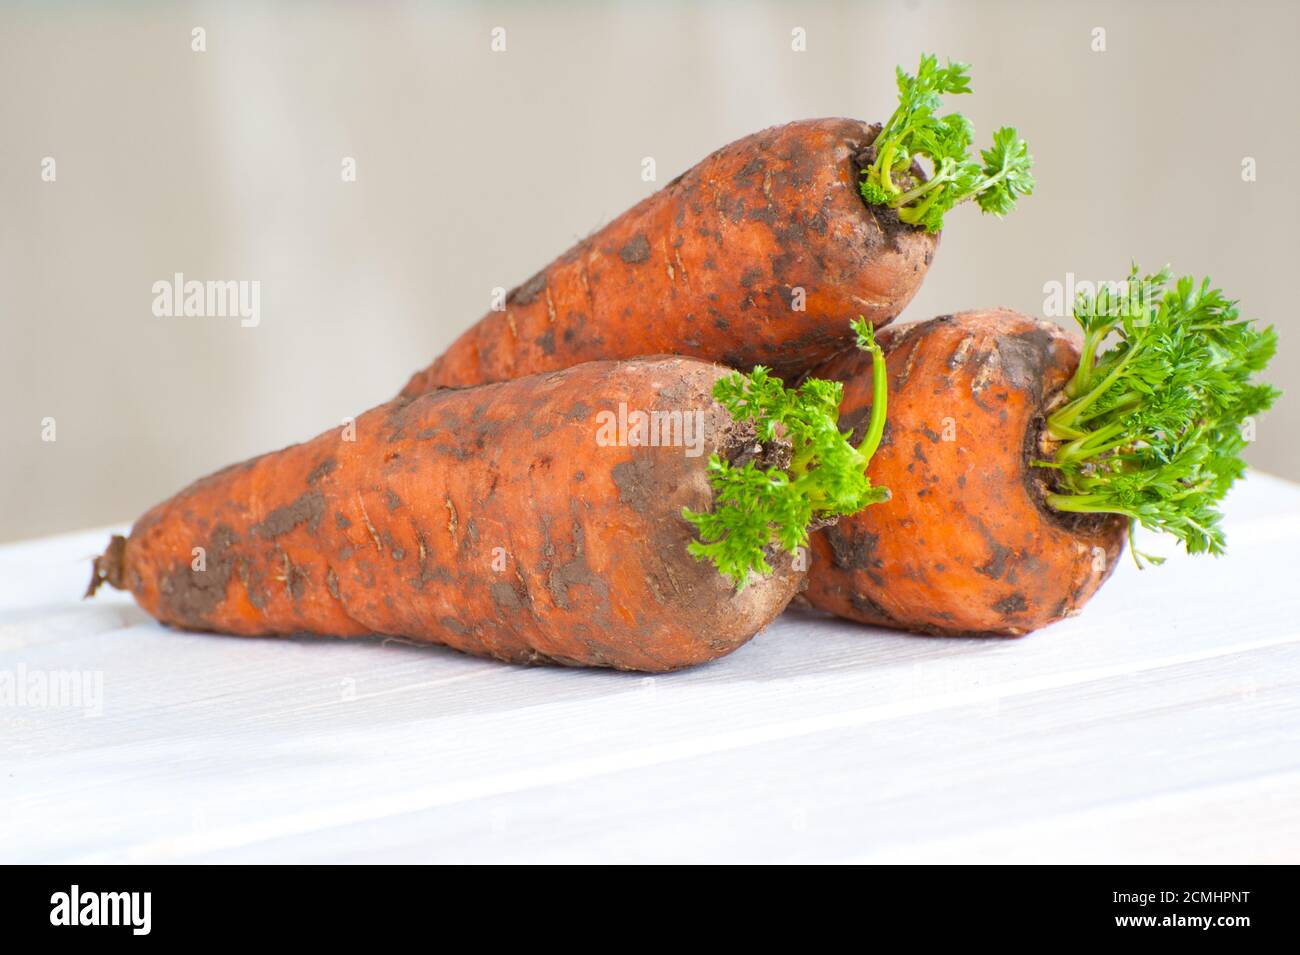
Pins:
x: 758, y: 253
x: 1018, y: 469
x: 965, y: 544
x: 548, y: 519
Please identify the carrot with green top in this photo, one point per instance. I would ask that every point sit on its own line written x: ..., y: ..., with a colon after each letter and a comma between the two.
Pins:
x: 642, y: 515
x: 1020, y: 460
x: 759, y: 253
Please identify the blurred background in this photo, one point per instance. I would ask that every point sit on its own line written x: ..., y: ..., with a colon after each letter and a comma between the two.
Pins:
x: 474, y: 168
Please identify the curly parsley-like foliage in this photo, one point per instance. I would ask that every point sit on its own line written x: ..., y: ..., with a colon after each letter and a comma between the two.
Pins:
x: 916, y: 132
x: 756, y: 506
x: 1153, y: 426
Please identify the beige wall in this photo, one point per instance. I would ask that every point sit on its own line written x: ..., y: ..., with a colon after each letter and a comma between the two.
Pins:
x: 475, y: 168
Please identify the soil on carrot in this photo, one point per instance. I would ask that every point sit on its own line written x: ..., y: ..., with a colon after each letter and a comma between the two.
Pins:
x: 890, y: 224
x: 1023, y: 359
x: 1040, y: 482
x: 740, y: 445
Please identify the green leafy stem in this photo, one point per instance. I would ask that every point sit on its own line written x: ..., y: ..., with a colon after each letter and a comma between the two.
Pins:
x: 758, y: 505
x: 915, y: 132
x: 1153, y: 426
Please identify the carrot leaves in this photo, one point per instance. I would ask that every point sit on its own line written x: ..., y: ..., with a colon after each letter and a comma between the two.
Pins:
x: 771, y: 499
x: 915, y: 132
x: 1153, y: 426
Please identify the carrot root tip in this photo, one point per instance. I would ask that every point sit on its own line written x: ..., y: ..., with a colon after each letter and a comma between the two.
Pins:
x: 109, y: 567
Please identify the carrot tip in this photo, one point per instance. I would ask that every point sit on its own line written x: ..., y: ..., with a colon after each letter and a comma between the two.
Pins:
x: 109, y: 567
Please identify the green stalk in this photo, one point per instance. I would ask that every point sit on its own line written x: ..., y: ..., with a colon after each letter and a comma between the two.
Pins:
x: 930, y: 185
x: 1069, y: 413
x: 879, y: 400
x: 884, y: 169
x: 1087, y: 357
x: 1165, y: 444
x: 1083, y: 504
x: 915, y: 132
x: 757, y: 508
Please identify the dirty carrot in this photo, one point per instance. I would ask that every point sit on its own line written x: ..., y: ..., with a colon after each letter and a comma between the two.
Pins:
x: 757, y: 254
x: 538, y: 520
x: 1019, y: 462
x: 890, y: 177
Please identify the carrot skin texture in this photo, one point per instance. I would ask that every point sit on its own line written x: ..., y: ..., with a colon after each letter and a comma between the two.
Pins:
x: 965, y: 545
x: 708, y: 267
x: 397, y: 532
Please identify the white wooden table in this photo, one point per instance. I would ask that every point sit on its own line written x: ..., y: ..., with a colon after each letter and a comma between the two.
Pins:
x: 1162, y: 725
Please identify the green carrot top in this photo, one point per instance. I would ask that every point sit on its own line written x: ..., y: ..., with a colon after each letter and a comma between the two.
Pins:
x: 1153, y: 426
x: 757, y: 504
x: 915, y: 132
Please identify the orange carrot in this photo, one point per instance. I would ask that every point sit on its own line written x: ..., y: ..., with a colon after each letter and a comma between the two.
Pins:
x: 548, y: 519
x: 1019, y: 459
x: 967, y: 543
x: 759, y: 254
